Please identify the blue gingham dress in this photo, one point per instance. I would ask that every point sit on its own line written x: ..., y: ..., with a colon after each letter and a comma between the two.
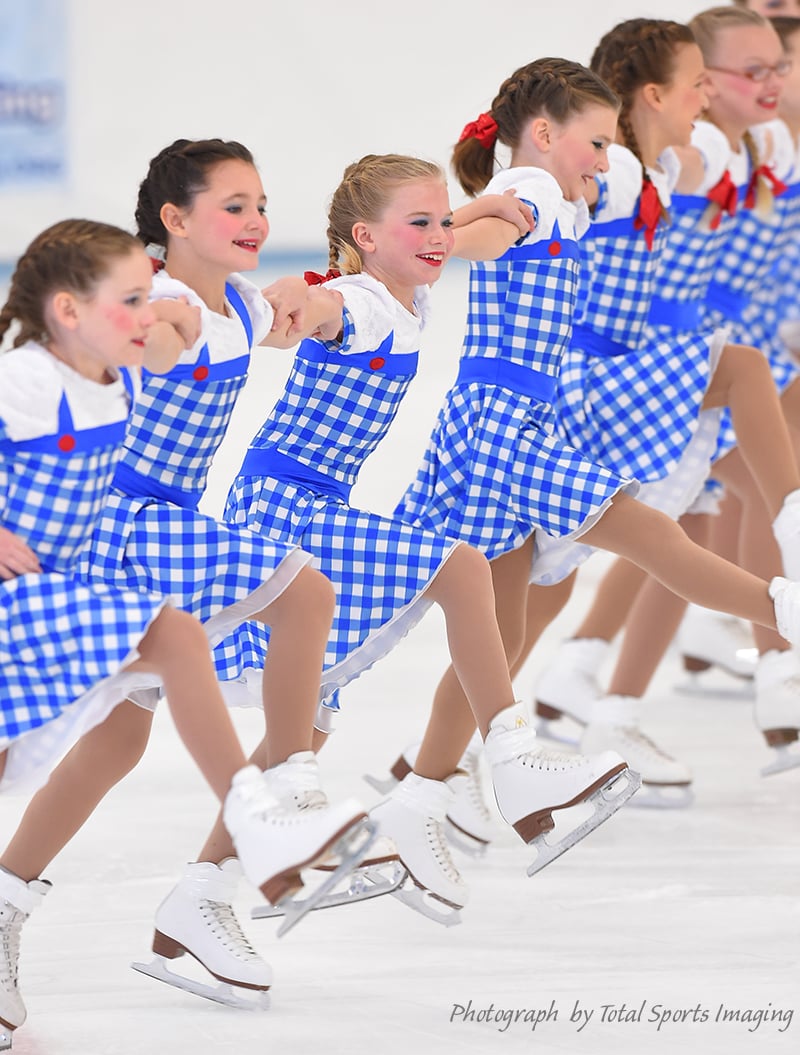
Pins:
x: 339, y: 401
x: 631, y: 393
x: 150, y: 535
x: 63, y: 642
x: 756, y: 269
x: 623, y: 398
x: 495, y: 471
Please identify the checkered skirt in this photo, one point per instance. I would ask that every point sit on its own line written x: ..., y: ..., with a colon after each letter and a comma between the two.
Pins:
x: 495, y: 471
x: 379, y: 568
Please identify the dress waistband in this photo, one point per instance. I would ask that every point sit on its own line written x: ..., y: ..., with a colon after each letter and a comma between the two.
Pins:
x: 269, y: 461
x: 521, y: 379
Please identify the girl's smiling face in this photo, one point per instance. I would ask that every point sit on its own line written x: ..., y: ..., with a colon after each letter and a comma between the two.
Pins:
x: 410, y: 242
x: 578, y: 148
x: 685, y: 97
x: 740, y: 53
x: 108, y: 327
x: 226, y: 223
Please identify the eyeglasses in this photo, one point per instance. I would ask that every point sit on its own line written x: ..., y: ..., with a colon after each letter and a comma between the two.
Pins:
x: 758, y: 74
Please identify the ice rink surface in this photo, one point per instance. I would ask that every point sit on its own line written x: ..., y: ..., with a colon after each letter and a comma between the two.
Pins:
x: 664, y: 931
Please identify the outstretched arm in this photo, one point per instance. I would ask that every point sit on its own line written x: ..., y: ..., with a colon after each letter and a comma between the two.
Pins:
x: 302, y: 311
x: 486, y: 227
x: 177, y: 327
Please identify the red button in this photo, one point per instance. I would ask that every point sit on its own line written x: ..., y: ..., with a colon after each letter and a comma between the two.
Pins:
x: 200, y: 373
x: 377, y: 363
x: 554, y: 248
x: 66, y: 443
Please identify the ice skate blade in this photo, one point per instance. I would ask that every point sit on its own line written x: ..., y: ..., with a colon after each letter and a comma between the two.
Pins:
x: 784, y: 759
x: 606, y: 802
x: 426, y: 903
x: 351, y: 847
x: 383, y: 785
x: 223, y: 993
x: 365, y: 884
x: 663, y: 797
x: 463, y: 841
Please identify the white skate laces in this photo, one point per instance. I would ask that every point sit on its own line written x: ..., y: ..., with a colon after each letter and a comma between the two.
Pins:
x: 530, y: 784
x: 17, y: 900
x: 296, y: 781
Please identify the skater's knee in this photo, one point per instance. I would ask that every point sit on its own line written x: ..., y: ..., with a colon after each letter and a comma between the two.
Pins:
x: 310, y: 595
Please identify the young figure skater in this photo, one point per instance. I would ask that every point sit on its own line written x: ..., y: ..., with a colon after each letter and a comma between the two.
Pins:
x: 685, y: 276
x: 71, y: 650
x: 390, y: 231
x: 203, y: 204
x: 481, y: 483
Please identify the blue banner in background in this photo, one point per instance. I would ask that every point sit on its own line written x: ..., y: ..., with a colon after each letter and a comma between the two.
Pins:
x: 33, y: 87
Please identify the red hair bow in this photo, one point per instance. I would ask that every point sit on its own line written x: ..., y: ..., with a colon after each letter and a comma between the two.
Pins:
x: 156, y: 264
x: 725, y: 195
x: 650, y: 211
x: 484, y: 130
x: 314, y: 279
x: 769, y: 175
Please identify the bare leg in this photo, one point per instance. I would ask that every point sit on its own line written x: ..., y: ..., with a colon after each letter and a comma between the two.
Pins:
x: 662, y: 548
x: 743, y: 382
x: 478, y: 683
x: 300, y: 623
x: 543, y: 604
x: 654, y: 619
x: 60, y: 809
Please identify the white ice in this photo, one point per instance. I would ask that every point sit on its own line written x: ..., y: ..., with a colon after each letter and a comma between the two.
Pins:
x: 675, y: 911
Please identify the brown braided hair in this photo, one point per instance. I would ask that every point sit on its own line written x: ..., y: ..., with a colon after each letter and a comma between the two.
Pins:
x: 363, y: 195
x: 176, y: 174
x: 637, y: 52
x: 556, y: 87
x: 72, y: 255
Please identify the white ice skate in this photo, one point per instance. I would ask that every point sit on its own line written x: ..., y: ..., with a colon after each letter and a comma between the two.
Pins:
x: 666, y: 783
x: 569, y: 687
x: 197, y: 918
x: 709, y: 641
x: 530, y: 783
x: 17, y: 900
x: 469, y: 825
x: 296, y: 784
x: 777, y: 709
x: 275, y: 841
x: 786, y: 529
x: 413, y: 818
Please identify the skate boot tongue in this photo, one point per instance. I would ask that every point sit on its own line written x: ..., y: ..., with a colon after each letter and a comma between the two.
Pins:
x: 296, y: 782
x: 510, y: 736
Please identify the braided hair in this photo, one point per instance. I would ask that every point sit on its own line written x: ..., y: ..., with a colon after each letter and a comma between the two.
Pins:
x: 72, y: 255
x: 556, y: 87
x: 176, y: 174
x: 363, y: 195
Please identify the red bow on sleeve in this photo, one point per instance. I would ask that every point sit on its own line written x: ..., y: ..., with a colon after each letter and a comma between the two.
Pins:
x: 725, y: 195
x: 766, y: 172
x: 650, y: 211
x: 314, y: 279
x: 484, y: 130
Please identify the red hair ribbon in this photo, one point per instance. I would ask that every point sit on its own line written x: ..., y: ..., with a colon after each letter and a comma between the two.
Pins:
x: 725, y: 195
x: 769, y: 175
x: 156, y: 264
x: 650, y: 211
x: 314, y: 279
x: 484, y: 130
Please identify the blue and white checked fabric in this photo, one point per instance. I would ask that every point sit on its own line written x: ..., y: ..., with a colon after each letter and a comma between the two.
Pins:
x: 338, y: 404
x: 624, y: 399
x: 494, y: 470
x: 62, y: 640
x: 150, y: 535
